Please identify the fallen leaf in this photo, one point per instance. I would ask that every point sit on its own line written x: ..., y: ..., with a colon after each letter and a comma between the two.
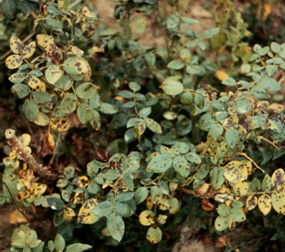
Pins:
x: 207, y: 205
x: 221, y: 241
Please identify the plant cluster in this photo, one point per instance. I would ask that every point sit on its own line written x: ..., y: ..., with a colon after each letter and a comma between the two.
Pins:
x: 178, y: 127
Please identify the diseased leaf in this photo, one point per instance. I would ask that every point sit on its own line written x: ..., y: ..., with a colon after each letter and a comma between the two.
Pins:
x: 235, y: 171
x: 251, y: 202
x: 154, y: 235
x: 29, y: 50
x: 160, y: 163
x: 278, y: 179
x: 153, y: 125
x: 264, y: 204
x: 14, y: 61
x: 16, y: 44
x: 85, y: 215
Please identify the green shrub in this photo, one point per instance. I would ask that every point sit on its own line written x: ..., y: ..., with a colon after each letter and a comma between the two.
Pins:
x: 179, y: 122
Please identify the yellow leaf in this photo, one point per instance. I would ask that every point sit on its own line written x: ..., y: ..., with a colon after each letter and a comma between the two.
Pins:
x: 146, y: 217
x: 68, y: 214
x: 264, y: 204
x: 161, y: 219
x: 16, y: 45
x: 52, y: 53
x: 29, y: 50
x: 25, y: 139
x: 85, y: 216
x: 60, y: 124
x: 17, y: 217
x: 82, y: 182
x: 235, y: 171
x: 251, y: 202
x: 278, y: 179
x: 14, y: 61
x: 44, y: 40
x: 275, y: 108
x: 232, y: 224
x: 267, y: 11
x: 35, y: 83
x: 40, y: 189
x: 278, y: 202
x: 173, y: 186
x: 242, y: 188
x: 87, y: 13
x: 221, y: 75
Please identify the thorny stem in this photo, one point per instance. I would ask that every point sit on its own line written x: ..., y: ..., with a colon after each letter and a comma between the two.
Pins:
x: 41, y: 171
x: 56, y: 149
x: 161, y: 26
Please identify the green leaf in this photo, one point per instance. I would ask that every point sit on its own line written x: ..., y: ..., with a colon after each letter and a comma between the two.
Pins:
x: 134, y: 86
x: 42, y: 97
x: 141, y: 194
x: 54, y: 23
x: 149, y: 59
x: 223, y: 210
x: 229, y: 81
x: 181, y: 165
x: 107, y: 108
x: 50, y: 245
x: 124, y: 196
x: 17, y: 77
x: 256, y: 122
x: 116, y: 226
x: 199, y: 101
x: 237, y: 214
x: 193, y: 69
x: 128, y: 181
x: 275, y: 47
x: 69, y: 103
x: 215, y: 132
x: 266, y: 183
x: 55, y: 203
x: 232, y: 137
x: 19, y: 243
x: 172, y: 21
x: 53, y: 74
x: 20, y: 90
x: 221, y: 223
x: 200, y: 43
x: 86, y: 90
x: 242, y: 106
x: 153, y: 125
x: 154, y: 234
x: 126, y: 94
x: 185, y: 55
x: 77, y: 247
x: 9, y: 9
x: 59, y: 242
x: 217, y: 177
x: 85, y: 113
x: 103, y: 209
x: 31, y: 110
x: 193, y: 158
x: 175, y: 64
x: 160, y: 163
x: 173, y: 88
x: 145, y: 112
x: 210, y: 33
x: 186, y: 99
x: 270, y: 84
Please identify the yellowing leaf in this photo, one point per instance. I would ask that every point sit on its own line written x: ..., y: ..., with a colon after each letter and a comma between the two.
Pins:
x: 161, y: 219
x: 146, y: 217
x: 278, y: 179
x: 68, y: 214
x: 35, y: 83
x: 149, y: 203
x: 85, y: 216
x: 242, y: 188
x: 251, y: 202
x: 154, y: 235
x: 82, y: 182
x: 60, y: 124
x: 163, y: 204
x: 52, y: 53
x: 44, y: 40
x: 29, y: 50
x: 25, y: 139
x: 232, y: 224
x: 14, y: 61
x: 278, y: 202
x: 235, y: 172
x: 76, y: 51
x: 221, y: 75
x: 16, y: 45
x: 264, y: 204
x: 42, y: 119
x: 174, y: 205
x: 87, y: 13
x: 40, y: 189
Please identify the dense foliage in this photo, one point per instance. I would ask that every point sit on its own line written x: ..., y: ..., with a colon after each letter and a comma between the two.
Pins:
x: 179, y: 123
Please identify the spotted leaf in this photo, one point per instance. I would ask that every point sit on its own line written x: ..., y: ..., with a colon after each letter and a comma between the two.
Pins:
x: 264, y: 204
x: 154, y: 235
x: 14, y: 61
x: 146, y: 217
x: 235, y: 172
x: 29, y: 50
x: 85, y: 215
x: 251, y: 202
x: 16, y: 45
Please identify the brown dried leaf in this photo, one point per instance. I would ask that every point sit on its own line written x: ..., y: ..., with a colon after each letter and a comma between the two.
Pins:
x: 47, y: 144
x: 221, y: 242
x: 207, y: 205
